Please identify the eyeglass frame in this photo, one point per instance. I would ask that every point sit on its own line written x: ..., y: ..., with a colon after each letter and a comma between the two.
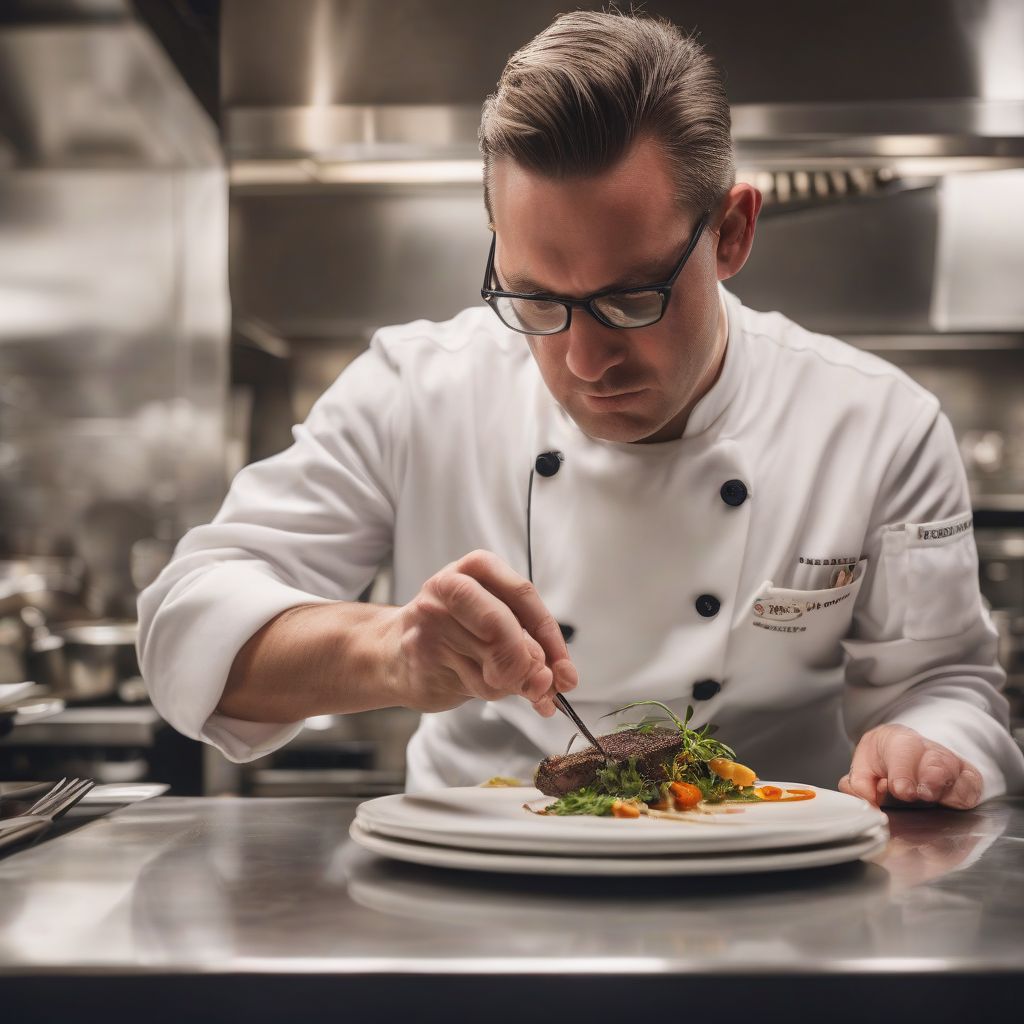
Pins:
x: 664, y: 288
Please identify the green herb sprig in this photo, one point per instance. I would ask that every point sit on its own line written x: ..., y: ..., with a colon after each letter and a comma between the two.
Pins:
x: 624, y: 781
x: 582, y: 801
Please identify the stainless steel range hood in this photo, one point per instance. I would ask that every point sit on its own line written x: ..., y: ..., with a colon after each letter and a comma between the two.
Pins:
x: 87, y: 86
x: 924, y: 86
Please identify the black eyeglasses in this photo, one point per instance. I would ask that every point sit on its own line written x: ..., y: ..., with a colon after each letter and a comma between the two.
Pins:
x: 614, y: 307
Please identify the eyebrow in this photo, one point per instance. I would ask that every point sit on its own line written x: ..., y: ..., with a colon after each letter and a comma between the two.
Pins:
x: 651, y: 272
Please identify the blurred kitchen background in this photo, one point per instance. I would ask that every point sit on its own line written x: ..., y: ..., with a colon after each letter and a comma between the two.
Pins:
x: 208, y: 206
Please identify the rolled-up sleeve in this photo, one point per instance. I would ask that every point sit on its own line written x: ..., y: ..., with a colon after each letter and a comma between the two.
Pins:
x: 309, y: 525
x: 922, y: 650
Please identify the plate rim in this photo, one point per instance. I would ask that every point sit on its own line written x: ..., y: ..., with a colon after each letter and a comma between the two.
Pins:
x: 741, y: 862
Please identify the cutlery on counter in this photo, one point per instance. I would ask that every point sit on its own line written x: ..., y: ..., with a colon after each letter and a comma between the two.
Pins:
x: 42, y: 814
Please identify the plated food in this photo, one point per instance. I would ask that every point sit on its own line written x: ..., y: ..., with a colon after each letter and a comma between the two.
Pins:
x: 660, y: 773
x: 656, y: 767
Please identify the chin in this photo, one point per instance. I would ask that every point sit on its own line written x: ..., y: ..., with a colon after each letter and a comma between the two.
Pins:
x: 618, y: 429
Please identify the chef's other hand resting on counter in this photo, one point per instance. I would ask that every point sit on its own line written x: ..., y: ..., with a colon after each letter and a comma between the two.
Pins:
x: 897, y: 761
x: 610, y: 472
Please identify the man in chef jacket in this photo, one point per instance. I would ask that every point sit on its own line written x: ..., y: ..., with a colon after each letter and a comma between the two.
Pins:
x: 611, y: 479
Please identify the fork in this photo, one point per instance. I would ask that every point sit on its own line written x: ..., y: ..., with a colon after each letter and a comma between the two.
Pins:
x: 42, y: 814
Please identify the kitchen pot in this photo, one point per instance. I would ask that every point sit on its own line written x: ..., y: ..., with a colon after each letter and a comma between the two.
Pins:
x: 96, y: 656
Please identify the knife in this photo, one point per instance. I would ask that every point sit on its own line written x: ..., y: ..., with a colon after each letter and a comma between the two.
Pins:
x: 567, y: 709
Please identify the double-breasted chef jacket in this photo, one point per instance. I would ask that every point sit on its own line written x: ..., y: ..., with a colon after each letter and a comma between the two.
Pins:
x: 701, y: 571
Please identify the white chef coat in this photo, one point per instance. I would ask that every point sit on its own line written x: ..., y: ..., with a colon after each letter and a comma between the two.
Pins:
x: 697, y: 571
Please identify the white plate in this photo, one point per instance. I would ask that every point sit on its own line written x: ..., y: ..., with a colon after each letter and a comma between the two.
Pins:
x: 694, y: 864
x: 12, y: 692
x: 494, y: 819
x: 124, y: 792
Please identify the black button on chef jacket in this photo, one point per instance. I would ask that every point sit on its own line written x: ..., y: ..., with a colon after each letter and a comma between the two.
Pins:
x: 734, y: 492
x: 548, y: 463
x: 706, y: 689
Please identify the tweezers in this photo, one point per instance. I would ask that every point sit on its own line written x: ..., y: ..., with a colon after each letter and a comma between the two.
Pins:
x: 567, y: 708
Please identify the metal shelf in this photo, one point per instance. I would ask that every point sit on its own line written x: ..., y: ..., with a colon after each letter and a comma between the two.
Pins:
x: 982, y: 341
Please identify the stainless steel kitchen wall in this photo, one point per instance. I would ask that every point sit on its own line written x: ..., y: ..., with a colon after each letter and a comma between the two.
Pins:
x: 113, y: 302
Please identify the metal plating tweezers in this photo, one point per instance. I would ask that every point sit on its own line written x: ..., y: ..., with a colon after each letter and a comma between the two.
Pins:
x: 568, y: 710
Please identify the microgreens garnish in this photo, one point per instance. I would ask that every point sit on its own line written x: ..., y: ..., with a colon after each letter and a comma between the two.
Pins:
x: 582, y: 801
x: 697, y: 745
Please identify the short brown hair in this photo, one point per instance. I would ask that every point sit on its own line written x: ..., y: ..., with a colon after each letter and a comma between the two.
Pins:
x: 572, y: 100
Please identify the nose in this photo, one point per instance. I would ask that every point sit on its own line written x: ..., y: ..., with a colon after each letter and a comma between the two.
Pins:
x: 592, y: 349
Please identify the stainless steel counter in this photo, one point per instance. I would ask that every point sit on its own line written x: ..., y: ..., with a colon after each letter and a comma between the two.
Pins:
x: 216, y: 903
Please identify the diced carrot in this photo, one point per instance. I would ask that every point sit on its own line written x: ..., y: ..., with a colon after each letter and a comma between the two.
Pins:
x: 621, y: 809
x: 685, y: 795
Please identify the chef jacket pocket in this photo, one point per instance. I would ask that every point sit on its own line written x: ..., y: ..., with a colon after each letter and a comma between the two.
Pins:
x: 815, y: 620
x: 943, y: 598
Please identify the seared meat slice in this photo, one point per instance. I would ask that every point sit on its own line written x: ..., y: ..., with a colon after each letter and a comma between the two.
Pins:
x: 562, y: 773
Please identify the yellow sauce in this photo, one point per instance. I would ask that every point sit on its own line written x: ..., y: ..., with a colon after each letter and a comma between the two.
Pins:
x: 500, y: 781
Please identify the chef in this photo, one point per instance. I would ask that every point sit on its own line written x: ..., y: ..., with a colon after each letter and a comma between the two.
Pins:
x: 610, y: 478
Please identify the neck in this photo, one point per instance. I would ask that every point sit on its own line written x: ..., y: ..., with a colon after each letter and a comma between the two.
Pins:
x: 674, y: 430
x: 714, y: 369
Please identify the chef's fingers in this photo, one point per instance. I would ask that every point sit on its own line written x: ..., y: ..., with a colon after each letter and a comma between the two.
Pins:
x: 465, y: 654
x: 522, y: 598
x: 470, y: 681
x: 865, y: 770
x: 860, y: 783
x: 545, y: 707
x: 535, y: 649
x: 505, y: 660
x: 966, y: 791
x: 460, y: 653
x: 937, y: 772
x: 901, y: 751
x: 541, y: 671
x: 866, y: 787
x: 461, y: 641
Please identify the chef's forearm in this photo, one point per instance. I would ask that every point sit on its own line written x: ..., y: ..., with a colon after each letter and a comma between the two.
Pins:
x: 312, y: 660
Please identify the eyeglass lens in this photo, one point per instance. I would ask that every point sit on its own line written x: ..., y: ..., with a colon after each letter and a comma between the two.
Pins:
x: 532, y: 316
x: 630, y: 309
x: 542, y: 316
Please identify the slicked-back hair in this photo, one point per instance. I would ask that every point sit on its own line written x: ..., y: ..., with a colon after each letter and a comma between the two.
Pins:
x: 572, y: 101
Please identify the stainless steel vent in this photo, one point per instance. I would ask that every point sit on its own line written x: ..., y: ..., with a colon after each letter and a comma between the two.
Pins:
x: 924, y: 86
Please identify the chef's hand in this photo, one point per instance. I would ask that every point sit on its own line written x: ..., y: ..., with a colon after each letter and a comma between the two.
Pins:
x: 895, y: 760
x: 477, y: 629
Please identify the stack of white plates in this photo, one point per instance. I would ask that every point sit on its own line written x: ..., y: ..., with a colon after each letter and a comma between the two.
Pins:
x: 479, y: 829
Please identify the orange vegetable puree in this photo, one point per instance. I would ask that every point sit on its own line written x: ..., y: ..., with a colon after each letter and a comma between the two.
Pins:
x: 773, y: 794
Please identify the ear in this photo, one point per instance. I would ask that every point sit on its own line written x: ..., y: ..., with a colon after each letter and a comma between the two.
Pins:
x: 734, y: 228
